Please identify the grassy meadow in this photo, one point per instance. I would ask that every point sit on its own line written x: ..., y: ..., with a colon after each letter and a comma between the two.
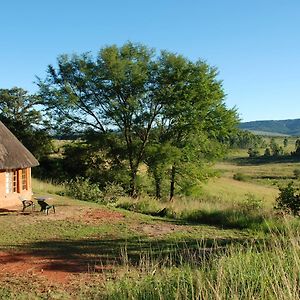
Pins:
x: 226, y: 242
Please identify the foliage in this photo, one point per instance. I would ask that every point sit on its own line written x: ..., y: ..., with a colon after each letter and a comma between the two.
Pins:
x: 113, y: 91
x: 142, y: 98
x: 145, y: 205
x: 288, y: 200
x: 159, y: 157
x: 276, y: 150
x: 194, y: 105
x: 240, y: 177
x: 267, y: 152
x: 95, y: 160
x: 297, y: 148
x: 252, y: 204
x: 51, y: 169
x: 199, y: 262
x: 83, y: 189
x: 242, y: 139
x: 197, y: 153
x: 21, y: 113
x: 253, y: 152
x: 296, y: 173
x: 112, y: 192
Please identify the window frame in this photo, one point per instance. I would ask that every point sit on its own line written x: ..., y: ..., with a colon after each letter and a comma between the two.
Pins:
x: 12, y: 181
x: 24, y: 180
x: 8, y: 182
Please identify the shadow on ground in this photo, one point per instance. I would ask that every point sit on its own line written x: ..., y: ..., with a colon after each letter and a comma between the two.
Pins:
x: 6, y: 212
x: 80, y: 255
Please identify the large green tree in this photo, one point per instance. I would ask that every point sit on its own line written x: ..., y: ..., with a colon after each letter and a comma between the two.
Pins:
x: 143, y: 97
x: 195, y: 118
x: 21, y: 113
x: 116, y: 91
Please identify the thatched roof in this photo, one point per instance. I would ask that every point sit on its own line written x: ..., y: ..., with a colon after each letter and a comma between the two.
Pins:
x: 13, y: 155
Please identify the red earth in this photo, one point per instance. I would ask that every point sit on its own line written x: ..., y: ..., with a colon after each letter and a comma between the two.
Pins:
x: 62, y: 269
x: 54, y: 269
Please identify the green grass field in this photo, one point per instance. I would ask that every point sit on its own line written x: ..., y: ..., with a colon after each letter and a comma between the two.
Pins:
x: 225, y: 243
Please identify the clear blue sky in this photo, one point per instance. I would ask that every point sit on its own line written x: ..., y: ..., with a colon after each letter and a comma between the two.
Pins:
x: 254, y: 43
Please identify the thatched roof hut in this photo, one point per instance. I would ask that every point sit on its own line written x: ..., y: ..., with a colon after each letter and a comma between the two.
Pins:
x: 15, y: 169
x: 13, y: 155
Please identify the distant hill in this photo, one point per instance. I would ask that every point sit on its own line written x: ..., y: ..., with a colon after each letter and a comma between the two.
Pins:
x: 273, y: 127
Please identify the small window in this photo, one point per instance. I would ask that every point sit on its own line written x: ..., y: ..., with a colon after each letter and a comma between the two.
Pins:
x: 8, y: 182
x: 11, y: 182
x: 15, y: 181
x: 24, y: 179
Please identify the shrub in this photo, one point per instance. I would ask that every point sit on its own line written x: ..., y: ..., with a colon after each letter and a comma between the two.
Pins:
x: 276, y: 150
x: 112, y: 192
x: 288, y: 201
x: 145, y: 205
x: 240, y: 177
x: 267, y: 152
x: 82, y: 189
x: 297, y: 173
x: 252, y: 204
x: 253, y: 152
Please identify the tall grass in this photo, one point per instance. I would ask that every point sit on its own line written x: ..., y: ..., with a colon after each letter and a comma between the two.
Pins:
x: 249, y: 212
x: 266, y: 270
x: 48, y: 187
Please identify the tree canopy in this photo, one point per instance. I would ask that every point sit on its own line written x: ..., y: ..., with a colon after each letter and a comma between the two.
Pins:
x: 147, y: 99
x: 19, y: 111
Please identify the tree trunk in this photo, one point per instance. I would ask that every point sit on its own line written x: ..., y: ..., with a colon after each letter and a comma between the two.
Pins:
x: 158, y: 188
x: 172, y: 183
x: 132, y: 184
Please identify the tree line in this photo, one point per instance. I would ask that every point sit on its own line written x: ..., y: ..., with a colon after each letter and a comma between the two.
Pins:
x: 273, y: 149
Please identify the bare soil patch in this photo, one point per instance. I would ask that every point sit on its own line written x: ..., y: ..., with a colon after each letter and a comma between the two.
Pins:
x: 25, y: 264
x: 101, y: 215
x: 83, y: 214
x: 54, y: 270
x: 64, y: 261
x: 155, y: 230
x: 43, y: 264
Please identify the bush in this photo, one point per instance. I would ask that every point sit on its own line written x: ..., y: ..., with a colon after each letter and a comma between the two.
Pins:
x: 112, y: 192
x: 253, y: 152
x: 82, y: 189
x: 146, y: 205
x: 297, y: 173
x: 288, y: 201
x: 240, y: 177
x: 267, y: 152
x: 252, y: 204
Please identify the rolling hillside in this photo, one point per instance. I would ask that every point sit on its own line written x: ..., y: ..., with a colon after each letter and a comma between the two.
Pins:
x: 285, y: 127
